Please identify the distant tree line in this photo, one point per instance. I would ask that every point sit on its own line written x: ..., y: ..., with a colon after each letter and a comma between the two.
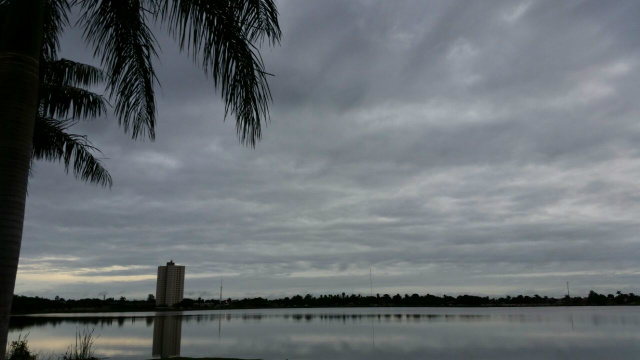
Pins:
x: 26, y: 304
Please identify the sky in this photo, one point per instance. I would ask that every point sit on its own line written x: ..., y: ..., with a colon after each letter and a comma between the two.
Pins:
x: 448, y: 146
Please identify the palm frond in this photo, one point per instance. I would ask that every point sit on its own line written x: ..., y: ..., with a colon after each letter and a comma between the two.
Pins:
x: 220, y: 35
x: 70, y: 73
x: 259, y: 18
x: 51, y: 142
x: 118, y: 32
x: 63, y: 101
x: 55, y: 18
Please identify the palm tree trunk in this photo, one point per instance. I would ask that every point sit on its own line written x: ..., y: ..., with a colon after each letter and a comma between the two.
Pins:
x: 20, y: 44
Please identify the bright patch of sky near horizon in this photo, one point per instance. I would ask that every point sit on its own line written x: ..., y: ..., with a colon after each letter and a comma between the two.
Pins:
x: 451, y: 146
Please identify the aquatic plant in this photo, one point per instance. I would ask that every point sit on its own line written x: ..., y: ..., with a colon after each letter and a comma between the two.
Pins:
x: 83, y: 347
x: 19, y: 350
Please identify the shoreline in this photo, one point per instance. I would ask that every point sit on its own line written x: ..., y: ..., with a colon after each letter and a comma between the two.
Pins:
x: 165, y: 310
x: 36, y: 305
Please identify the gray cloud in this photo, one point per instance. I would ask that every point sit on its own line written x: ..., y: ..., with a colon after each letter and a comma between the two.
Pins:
x: 449, y: 146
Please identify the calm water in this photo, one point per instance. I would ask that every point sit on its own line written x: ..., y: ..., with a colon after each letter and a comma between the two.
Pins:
x: 368, y: 333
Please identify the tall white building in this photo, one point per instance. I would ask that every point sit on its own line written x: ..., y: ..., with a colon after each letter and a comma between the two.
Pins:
x: 170, y: 284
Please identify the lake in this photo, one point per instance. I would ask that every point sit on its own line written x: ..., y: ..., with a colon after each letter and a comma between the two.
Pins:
x: 349, y: 333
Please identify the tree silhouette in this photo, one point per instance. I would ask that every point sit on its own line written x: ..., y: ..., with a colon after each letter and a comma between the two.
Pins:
x: 63, y: 100
x: 41, y: 96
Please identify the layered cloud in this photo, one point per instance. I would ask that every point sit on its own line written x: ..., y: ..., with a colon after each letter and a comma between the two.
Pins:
x: 449, y: 146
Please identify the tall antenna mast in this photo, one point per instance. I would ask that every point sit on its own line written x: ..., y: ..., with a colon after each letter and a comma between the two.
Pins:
x: 371, y: 281
x: 220, y: 291
x: 568, y: 293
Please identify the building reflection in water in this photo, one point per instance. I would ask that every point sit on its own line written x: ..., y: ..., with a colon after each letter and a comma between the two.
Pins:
x: 167, y: 333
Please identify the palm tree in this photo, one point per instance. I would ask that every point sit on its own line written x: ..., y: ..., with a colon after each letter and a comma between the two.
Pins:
x: 63, y: 100
x: 39, y: 91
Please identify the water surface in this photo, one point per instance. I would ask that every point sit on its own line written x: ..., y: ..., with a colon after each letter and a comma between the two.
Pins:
x: 349, y: 333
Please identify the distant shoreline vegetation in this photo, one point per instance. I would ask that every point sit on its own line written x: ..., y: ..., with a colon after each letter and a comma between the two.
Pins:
x: 32, y: 305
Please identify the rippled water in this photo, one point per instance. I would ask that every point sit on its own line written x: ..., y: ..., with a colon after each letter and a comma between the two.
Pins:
x: 364, y: 333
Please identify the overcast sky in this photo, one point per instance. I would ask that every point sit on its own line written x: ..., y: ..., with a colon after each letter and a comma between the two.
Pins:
x: 450, y: 146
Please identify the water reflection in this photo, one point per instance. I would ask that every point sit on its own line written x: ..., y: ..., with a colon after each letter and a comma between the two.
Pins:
x: 98, y: 321
x: 353, y: 334
x: 167, y: 335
